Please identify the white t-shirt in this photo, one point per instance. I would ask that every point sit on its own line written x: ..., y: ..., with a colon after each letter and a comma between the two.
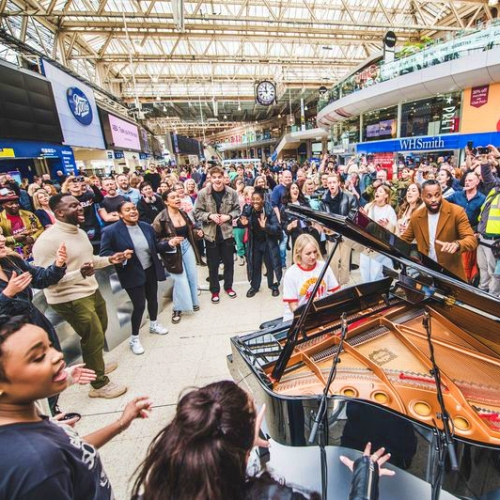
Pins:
x: 433, y: 224
x: 377, y: 213
x: 299, y: 282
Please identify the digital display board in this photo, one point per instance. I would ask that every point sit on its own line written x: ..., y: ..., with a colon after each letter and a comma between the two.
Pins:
x: 27, y: 107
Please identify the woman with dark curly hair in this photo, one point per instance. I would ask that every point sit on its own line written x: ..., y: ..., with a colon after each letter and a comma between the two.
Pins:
x: 203, y: 452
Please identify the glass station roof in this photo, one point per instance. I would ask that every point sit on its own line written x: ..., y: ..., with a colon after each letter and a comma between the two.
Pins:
x: 177, y: 53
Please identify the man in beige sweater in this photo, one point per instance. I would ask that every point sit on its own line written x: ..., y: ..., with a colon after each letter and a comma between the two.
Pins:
x: 76, y: 297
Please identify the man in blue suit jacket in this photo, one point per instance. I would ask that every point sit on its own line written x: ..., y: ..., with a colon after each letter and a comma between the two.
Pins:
x: 141, y: 273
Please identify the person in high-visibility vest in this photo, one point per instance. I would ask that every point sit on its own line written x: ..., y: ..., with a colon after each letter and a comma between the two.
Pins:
x: 489, y: 226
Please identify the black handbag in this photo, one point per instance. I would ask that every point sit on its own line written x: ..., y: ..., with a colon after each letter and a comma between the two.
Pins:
x: 172, y: 262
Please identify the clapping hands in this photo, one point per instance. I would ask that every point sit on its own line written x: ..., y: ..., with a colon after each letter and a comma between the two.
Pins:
x: 262, y: 220
x: 61, y: 255
x: 17, y: 284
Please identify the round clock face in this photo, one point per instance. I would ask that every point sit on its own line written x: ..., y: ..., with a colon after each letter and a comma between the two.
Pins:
x: 266, y: 93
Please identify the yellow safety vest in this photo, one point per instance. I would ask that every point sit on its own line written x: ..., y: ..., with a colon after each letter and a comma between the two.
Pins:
x: 493, y: 222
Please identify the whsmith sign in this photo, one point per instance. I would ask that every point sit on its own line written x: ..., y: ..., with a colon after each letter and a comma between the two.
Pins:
x: 428, y: 143
x: 420, y: 143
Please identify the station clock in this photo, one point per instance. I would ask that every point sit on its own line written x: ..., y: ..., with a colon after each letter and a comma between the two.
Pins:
x: 265, y: 93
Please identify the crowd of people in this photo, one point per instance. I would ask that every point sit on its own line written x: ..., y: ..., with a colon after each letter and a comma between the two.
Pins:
x: 56, y: 232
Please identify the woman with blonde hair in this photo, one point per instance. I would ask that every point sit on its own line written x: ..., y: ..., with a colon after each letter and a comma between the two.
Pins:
x: 42, y: 208
x: 301, y: 277
x: 380, y: 212
x: 191, y: 189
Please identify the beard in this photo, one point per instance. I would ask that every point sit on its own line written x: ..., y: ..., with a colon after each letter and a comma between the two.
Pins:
x: 434, y: 210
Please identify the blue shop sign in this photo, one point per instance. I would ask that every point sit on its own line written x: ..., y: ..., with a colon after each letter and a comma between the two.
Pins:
x: 119, y: 155
x: 79, y: 105
x: 29, y: 149
x: 428, y: 143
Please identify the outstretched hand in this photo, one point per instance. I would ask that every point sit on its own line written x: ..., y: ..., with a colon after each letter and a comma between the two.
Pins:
x: 17, y: 283
x: 78, y: 374
x: 451, y: 247
x: 120, y: 257
x: 378, y: 457
x: 137, y: 408
x: 87, y: 269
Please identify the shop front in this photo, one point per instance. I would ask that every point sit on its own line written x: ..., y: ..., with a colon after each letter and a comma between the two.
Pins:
x: 29, y: 158
x: 434, y: 146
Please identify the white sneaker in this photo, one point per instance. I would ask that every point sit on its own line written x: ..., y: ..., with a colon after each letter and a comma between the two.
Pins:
x: 135, y: 345
x: 158, y: 328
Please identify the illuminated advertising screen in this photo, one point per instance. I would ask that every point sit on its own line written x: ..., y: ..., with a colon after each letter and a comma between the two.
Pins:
x: 125, y: 134
x: 118, y: 133
x: 77, y: 109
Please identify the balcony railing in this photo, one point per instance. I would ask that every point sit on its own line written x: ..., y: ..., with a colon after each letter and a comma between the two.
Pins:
x: 439, y: 51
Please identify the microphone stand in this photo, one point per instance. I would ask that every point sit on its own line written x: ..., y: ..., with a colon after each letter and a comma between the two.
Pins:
x: 320, y: 419
x: 444, y: 437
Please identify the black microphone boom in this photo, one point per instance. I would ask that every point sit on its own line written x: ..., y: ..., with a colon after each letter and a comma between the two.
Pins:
x: 444, y: 437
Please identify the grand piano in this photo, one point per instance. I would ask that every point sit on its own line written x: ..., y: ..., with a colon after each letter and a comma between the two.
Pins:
x: 384, y: 390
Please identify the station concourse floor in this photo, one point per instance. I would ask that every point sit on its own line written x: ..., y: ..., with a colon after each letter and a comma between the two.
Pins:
x: 193, y: 354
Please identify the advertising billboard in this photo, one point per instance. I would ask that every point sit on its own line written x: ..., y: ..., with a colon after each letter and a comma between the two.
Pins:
x: 481, y: 110
x: 125, y: 134
x: 119, y: 133
x: 77, y: 109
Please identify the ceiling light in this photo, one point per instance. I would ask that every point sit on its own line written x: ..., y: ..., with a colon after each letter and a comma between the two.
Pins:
x: 158, y: 98
x: 239, y: 107
x: 165, y: 109
x: 305, y: 108
x: 279, y: 116
x: 225, y: 117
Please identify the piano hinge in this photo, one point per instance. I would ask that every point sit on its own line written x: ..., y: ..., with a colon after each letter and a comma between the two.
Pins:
x: 450, y: 300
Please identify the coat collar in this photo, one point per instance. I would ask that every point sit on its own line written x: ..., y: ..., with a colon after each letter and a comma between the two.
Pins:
x: 444, y: 216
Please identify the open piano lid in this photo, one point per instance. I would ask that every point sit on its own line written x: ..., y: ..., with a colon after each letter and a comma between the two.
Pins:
x: 425, y: 276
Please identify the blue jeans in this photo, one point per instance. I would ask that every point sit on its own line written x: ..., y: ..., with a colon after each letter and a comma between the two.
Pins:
x: 283, y: 244
x: 186, y: 284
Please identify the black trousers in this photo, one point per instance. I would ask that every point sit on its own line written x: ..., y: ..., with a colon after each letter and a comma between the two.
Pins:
x: 139, y: 294
x: 262, y: 253
x: 217, y: 252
